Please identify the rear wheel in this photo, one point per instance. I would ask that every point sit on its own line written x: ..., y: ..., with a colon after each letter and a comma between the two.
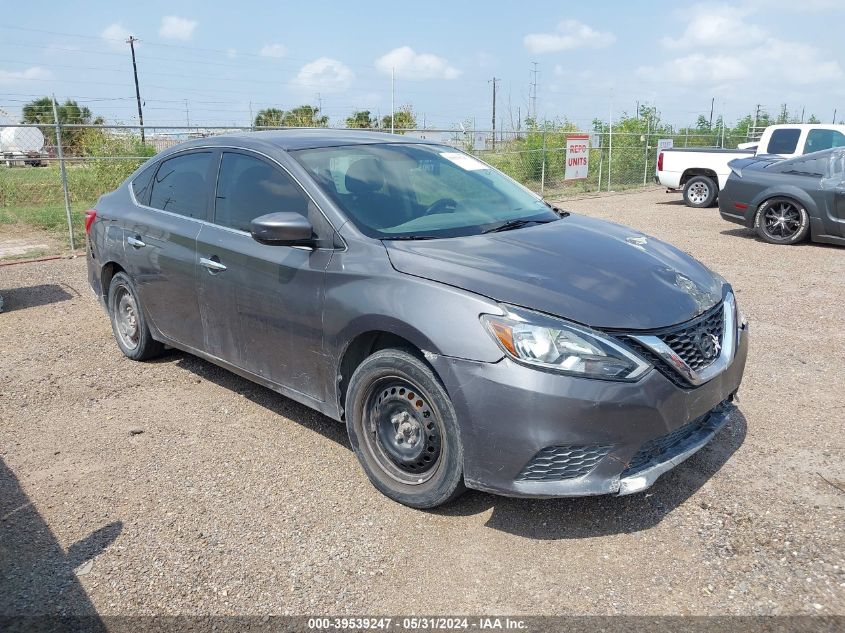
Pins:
x: 404, y: 430
x: 700, y: 192
x: 127, y: 321
x: 782, y: 221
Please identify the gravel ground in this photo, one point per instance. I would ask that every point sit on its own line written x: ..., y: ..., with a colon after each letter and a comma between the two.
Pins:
x: 175, y: 487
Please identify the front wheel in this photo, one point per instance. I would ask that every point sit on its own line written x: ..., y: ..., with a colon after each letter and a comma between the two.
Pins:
x: 404, y: 430
x: 782, y: 221
x: 700, y: 192
x: 127, y: 321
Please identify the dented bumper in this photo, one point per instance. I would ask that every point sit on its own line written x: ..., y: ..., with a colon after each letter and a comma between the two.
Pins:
x: 618, y: 437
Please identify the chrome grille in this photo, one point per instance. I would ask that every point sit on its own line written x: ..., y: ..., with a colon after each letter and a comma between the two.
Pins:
x: 556, y: 463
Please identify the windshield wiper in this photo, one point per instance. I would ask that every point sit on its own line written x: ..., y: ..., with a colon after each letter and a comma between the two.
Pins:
x: 513, y: 224
x: 557, y: 210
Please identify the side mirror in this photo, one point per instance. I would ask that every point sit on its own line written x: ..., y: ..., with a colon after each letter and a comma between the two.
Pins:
x: 283, y: 228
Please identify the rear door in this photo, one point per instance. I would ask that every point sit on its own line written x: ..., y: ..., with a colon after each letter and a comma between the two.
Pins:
x: 262, y: 304
x: 160, y: 243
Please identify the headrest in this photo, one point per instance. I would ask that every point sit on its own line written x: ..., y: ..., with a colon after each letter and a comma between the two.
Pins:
x: 364, y: 176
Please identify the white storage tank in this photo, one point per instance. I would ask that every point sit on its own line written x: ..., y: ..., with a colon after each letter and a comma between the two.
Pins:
x: 21, y: 139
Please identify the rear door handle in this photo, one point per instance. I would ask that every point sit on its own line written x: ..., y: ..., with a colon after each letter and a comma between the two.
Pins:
x: 212, y: 265
x: 136, y: 242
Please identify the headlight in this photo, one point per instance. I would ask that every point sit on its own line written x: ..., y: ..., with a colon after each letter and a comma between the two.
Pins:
x: 543, y: 341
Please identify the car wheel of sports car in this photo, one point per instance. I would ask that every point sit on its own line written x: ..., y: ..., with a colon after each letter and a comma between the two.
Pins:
x: 782, y: 221
x: 700, y: 192
x: 404, y: 430
x: 127, y: 321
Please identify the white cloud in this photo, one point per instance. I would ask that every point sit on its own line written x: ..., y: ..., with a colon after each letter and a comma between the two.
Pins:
x: 698, y: 68
x: 175, y: 28
x: 34, y: 72
x: 231, y: 53
x: 570, y: 34
x: 409, y: 63
x: 273, y: 50
x: 325, y: 75
x: 723, y: 48
x: 115, y: 35
x: 717, y: 26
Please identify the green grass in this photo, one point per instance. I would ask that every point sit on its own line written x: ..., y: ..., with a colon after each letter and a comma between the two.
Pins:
x: 33, y: 196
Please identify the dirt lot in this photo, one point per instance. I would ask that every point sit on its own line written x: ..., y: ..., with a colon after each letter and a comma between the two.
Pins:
x: 177, y: 487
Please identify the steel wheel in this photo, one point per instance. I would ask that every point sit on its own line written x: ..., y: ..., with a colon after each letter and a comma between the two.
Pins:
x: 402, y: 430
x: 699, y: 192
x: 782, y: 221
x: 128, y: 323
x: 126, y: 318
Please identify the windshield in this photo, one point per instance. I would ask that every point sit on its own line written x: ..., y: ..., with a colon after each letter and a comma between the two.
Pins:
x: 414, y: 191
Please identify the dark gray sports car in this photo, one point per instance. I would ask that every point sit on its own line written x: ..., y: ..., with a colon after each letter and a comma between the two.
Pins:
x: 787, y: 201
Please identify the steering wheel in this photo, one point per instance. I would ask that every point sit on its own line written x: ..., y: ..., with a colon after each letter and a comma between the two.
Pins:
x: 441, y: 206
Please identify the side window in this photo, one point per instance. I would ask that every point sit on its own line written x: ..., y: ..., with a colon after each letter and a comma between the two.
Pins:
x: 141, y: 185
x: 181, y: 185
x: 817, y: 140
x: 248, y: 187
x: 784, y: 141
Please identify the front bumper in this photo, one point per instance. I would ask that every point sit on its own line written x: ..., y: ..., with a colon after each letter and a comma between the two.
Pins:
x: 511, y: 416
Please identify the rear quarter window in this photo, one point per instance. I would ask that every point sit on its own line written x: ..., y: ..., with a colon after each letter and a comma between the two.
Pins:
x: 141, y: 185
x: 784, y: 141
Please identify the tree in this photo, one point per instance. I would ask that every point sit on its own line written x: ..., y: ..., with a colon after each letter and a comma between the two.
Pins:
x: 300, y: 116
x: 269, y: 117
x: 40, y: 112
x: 361, y: 119
x: 403, y: 119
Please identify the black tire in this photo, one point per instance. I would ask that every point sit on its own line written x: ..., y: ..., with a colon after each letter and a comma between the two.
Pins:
x: 782, y: 221
x: 128, y: 322
x: 394, y: 394
x: 700, y: 192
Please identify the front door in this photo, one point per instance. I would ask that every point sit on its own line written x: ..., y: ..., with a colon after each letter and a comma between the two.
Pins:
x: 261, y: 304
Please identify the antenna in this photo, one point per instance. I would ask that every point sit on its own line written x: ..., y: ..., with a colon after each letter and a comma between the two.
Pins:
x: 533, y: 93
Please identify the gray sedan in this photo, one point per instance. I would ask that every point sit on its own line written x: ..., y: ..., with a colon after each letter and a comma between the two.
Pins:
x: 466, y: 332
x: 788, y: 201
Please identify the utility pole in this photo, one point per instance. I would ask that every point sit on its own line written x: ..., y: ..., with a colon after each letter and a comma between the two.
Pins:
x: 712, y: 103
x: 131, y: 41
x: 494, y: 81
x: 392, y: 100
x: 834, y: 116
x: 319, y: 102
x: 533, y: 93
x: 187, y: 114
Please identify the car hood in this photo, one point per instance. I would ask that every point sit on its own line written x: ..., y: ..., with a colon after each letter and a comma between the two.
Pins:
x: 593, y: 272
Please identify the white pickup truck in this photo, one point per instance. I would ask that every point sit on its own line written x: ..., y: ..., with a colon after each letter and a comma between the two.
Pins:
x: 701, y: 173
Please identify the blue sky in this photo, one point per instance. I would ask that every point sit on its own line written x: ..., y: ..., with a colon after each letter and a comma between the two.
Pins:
x: 227, y: 59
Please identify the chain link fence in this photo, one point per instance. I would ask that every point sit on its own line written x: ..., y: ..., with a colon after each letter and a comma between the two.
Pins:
x: 50, y: 174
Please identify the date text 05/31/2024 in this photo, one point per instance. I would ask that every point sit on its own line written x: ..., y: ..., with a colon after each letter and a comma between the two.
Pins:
x: 416, y: 623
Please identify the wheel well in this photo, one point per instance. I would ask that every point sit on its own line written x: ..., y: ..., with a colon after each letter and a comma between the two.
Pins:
x: 361, y: 347
x: 109, y: 271
x: 690, y: 173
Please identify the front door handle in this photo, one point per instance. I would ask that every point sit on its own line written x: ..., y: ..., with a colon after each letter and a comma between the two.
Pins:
x: 212, y: 265
x: 136, y: 242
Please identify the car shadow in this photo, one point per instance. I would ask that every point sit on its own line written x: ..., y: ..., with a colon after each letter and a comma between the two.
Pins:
x: 34, y: 296
x: 588, y: 517
x: 271, y: 400
x: 751, y: 234
x: 544, y: 519
x: 39, y: 587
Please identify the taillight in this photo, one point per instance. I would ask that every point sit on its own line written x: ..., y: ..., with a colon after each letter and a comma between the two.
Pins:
x: 660, y: 162
x: 90, y: 216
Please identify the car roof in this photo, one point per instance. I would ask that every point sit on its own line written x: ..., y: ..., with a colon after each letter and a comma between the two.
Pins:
x: 300, y: 138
